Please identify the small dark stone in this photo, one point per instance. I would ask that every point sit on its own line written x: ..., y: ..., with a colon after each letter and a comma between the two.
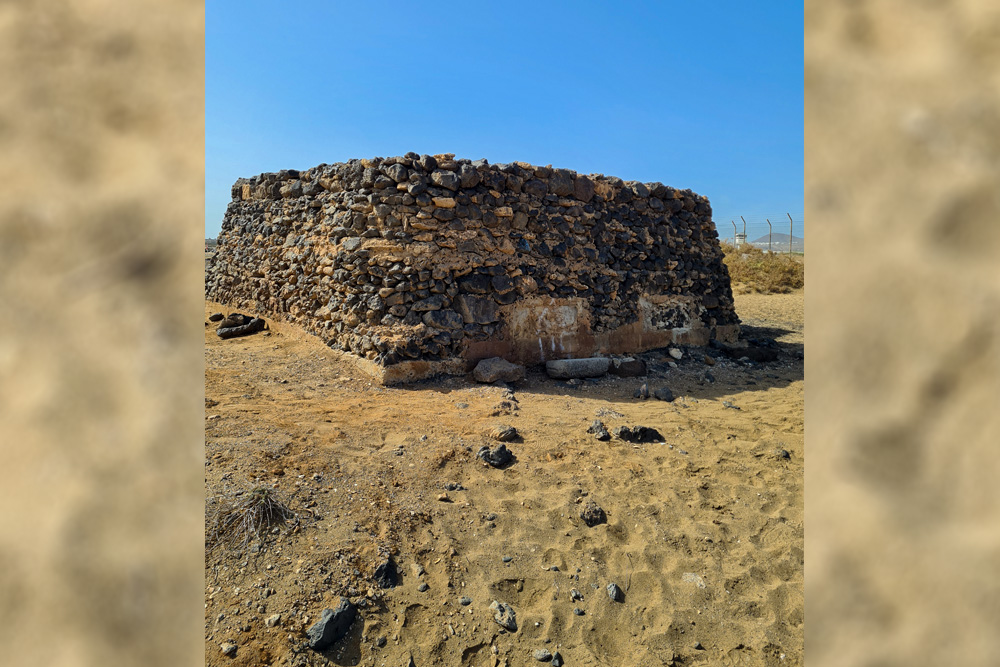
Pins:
x: 332, y: 625
x: 709, y: 377
x: 578, y: 611
x: 592, y: 514
x: 423, y: 587
x: 642, y: 392
x: 599, y: 430
x: 465, y: 601
x: 385, y: 574
x: 506, y: 559
x: 498, y: 458
x: 504, y: 615
x: 557, y: 660
x: 782, y: 454
x: 664, y: 394
x: 637, y: 434
x: 615, y: 593
x: 215, y: 317
x: 542, y: 655
x: 698, y: 646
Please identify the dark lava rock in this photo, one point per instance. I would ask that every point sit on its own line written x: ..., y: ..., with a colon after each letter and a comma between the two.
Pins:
x: 709, y: 377
x: 615, y: 593
x: 423, y: 587
x: 642, y: 392
x: 332, y: 625
x: 465, y: 601
x: 599, y: 430
x: 578, y: 611
x: 557, y: 660
x: 251, y: 327
x: 498, y: 457
x: 215, y: 317
x: 504, y: 615
x: 664, y: 394
x: 385, y: 574
x: 627, y: 368
x: 637, y: 434
x: 592, y: 514
x: 782, y: 454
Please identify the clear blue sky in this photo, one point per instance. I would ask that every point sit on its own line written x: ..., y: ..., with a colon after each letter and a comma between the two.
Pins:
x: 700, y: 95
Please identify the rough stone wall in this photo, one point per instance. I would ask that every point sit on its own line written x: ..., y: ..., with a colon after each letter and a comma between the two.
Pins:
x: 428, y: 263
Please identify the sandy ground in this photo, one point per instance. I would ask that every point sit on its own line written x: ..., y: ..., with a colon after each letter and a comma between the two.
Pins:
x: 704, y: 532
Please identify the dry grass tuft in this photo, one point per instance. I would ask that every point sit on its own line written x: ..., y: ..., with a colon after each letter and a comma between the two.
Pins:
x: 243, y: 519
x: 753, y: 270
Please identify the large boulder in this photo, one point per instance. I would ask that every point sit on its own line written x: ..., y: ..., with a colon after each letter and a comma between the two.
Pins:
x: 565, y: 369
x: 496, y: 368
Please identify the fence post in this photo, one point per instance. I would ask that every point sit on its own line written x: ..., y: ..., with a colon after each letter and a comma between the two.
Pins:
x: 768, y: 236
x: 789, y: 232
x: 734, y: 232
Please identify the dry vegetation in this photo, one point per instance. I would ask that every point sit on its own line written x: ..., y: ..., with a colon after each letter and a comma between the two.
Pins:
x: 753, y: 270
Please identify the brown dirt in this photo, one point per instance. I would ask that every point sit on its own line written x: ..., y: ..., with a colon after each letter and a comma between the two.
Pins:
x: 704, y: 533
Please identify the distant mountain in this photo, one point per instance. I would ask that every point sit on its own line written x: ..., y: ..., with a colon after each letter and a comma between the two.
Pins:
x: 781, y: 239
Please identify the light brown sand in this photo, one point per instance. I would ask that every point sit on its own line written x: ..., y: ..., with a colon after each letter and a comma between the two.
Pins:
x: 704, y: 533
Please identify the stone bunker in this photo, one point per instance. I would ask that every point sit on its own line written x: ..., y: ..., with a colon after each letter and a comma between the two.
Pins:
x: 420, y: 264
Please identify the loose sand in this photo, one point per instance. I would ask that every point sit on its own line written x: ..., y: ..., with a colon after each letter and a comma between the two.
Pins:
x: 704, y: 533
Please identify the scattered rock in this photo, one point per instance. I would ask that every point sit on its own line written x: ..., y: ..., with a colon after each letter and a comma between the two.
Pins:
x: 542, y: 655
x: 235, y: 320
x: 503, y: 433
x: 332, y: 625
x: 251, y: 327
x: 215, y: 317
x: 498, y: 457
x: 578, y: 611
x: 496, y: 368
x: 465, y: 601
x: 731, y: 406
x: 599, y: 430
x: 664, y: 394
x: 564, y: 369
x: 575, y: 595
x: 557, y: 660
x: 709, y: 360
x: 698, y: 646
x: 675, y: 353
x: 272, y: 620
x: 782, y: 454
x: 417, y: 569
x: 385, y: 574
x: 504, y: 615
x: 642, y: 392
x: 615, y: 593
x: 423, y: 587
x: 593, y: 515
x: 507, y: 559
x: 628, y: 367
x: 637, y: 434
x: 709, y: 377
x: 453, y: 486
x: 444, y: 498
x: 228, y: 648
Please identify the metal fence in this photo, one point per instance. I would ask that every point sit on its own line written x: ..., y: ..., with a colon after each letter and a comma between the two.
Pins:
x: 771, y: 233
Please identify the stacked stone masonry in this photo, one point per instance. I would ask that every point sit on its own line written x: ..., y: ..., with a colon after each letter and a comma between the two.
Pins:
x: 422, y: 264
